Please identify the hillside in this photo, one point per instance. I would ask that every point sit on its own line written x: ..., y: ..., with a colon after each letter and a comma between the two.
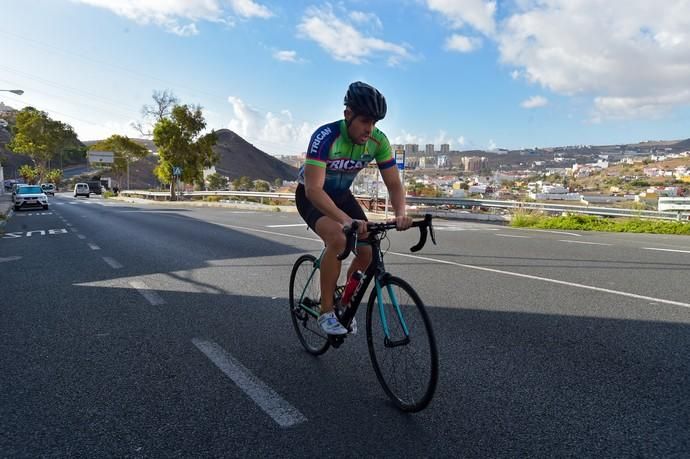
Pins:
x: 237, y: 158
x: 240, y: 158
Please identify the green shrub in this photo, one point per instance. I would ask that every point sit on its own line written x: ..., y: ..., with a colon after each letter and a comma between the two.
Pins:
x: 212, y: 198
x: 108, y: 194
x: 595, y: 223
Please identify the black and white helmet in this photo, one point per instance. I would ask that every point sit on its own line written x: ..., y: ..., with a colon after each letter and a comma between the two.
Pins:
x: 366, y: 100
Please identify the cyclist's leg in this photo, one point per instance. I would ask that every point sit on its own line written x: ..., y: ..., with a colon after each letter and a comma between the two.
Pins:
x: 350, y: 206
x: 332, y: 235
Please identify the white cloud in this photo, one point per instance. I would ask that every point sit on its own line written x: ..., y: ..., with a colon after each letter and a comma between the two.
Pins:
x: 276, y: 134
x: 492, y: 145
x: 462, y: 43
x: 249, y: 9
x: 169, y: 13
x: 534, y: 102
x: 344, y: 41
x: 367, y: 19
x: 632, y: 58
x: 479, y: 14
x: 286, y: 56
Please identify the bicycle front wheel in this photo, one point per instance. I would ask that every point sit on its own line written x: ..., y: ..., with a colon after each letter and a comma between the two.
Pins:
x: 402, y: 345
x: 305, y: 293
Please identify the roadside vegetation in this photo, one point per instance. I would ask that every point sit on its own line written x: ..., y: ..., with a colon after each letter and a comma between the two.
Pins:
x: 596, y: 223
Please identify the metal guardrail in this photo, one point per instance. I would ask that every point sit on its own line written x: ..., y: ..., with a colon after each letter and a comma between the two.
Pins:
x: 490, y: 203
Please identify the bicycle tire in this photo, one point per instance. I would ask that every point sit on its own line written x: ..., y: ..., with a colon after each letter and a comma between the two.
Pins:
x: 314, y: 340
x: 408, y: 373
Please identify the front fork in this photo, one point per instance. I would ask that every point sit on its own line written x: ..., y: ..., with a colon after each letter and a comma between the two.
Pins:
x: 387, y: 341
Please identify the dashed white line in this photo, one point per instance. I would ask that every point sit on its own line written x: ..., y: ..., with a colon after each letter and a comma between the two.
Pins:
x: 112, y: 262
x: 6, y: 259
x: 152, y: 297
x: 268, y: 400
x: 512, y: 235
x: 81, y: 236
x: 583, y: 242
x: 94, y: 246
x: 666, y: 250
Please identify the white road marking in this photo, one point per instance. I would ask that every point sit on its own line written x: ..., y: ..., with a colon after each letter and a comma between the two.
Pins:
x: 113, y: 264
x: 512, y: 235
x: 255, y: 230
x: 498, y: 271
x: 583, y: 242
x: 286, y: 226
x: 268, y: 400
x: 550, y: 231
x: 81, y: 236
x: 94, y: 246
x: 666, y: 250
x: 546, y: 279
x: 6, y: 259
x: 152, y: 297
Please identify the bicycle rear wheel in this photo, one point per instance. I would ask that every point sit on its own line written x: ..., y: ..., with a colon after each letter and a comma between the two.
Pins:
x: 305, y: 287
x: 405, y: 362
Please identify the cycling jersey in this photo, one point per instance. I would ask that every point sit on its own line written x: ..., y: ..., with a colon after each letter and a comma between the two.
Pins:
x: 330, y: 147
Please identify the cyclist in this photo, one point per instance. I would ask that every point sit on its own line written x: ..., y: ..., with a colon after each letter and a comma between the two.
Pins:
x: 337, y: 152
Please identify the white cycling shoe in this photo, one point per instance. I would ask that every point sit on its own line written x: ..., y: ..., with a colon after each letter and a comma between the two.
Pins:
x: 330, y: 324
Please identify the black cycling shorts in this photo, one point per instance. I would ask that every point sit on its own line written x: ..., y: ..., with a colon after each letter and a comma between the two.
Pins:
x: 345, y: 202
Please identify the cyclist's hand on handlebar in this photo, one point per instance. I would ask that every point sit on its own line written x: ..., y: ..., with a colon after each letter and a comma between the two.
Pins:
x: 403, y: 222
x: 361, y: 226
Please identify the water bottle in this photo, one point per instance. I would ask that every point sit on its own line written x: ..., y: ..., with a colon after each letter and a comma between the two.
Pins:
x: 352, y: 286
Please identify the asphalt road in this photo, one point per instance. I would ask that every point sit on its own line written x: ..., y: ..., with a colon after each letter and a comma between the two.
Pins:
x: 163, y: 331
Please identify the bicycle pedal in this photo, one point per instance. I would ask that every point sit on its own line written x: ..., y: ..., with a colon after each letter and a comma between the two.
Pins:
x: 336, y: 340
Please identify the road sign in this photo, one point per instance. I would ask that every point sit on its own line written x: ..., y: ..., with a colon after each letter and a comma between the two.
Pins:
x: 177, y: 171
x: 400, y: 159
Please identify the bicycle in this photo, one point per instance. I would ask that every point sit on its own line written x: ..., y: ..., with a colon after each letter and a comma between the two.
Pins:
x: 405, y: 328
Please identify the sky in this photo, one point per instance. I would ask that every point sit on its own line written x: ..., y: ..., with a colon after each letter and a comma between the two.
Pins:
x: 475, y: 74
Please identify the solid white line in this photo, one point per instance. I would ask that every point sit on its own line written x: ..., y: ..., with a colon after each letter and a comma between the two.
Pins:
x: 81, y: 236
x: 546, y: 279
x: 286, y: 226
x: 498, y: 271
x: 512, y: 235
x: 147, y: 293
x: 94, y: 246
x: 270, y: 232
x: 583, y: 242
x: 268, y: 400
x: 113, y: 264
x: 549, y: 231
x: 3, y: 260
x: 666, y: 250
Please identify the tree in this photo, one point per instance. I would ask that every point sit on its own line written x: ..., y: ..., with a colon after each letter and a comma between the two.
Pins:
x: 278, y: 182
x: 217, y: 182
x: 163, y: 104
x: 124, y: 151
x: 53, y: 176
x: 181, y: 144
x: 40, y: 137
x: 262, y: 186
x: 243, y: 183
x: 29, y: 173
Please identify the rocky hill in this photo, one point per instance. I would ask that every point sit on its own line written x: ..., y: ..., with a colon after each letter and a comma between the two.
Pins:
x: 237, y: 158
x: 240, y: 158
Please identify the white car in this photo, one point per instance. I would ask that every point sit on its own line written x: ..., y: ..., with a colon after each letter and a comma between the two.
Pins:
x: 48, y: 188
x: 82, y: 189
x: 29, y: 196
